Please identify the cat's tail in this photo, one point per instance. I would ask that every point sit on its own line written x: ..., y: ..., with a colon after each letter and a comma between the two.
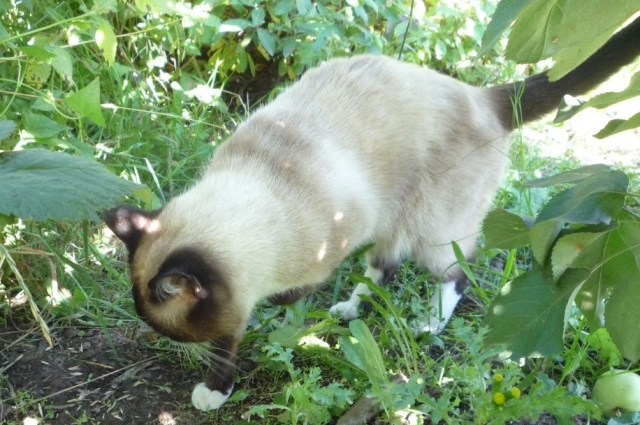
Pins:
x: 539, y: 96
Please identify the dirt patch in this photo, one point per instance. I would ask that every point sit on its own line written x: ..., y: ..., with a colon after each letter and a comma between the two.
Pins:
x: 85, y: 378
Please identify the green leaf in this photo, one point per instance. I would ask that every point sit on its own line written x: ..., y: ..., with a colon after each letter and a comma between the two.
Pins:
x: 600, y: 101
x: 86, y: 102
x: 505, y: 230
x: 234, y: 25
x: 527, y: 317
x: 40, y: 126
x: 106, y: 41
x: 542, y: 236
x: 6, y: 128
x: 505, y: 13
x: 529, y: 34
x: 618, y: 126
x: 257, y: 16
x: 267, y: 40
x: 37, y: 52
x: 40, y: 185
x: 583, y: 28
x: 37, y: 72
x: 62, y: 63
x: 601, y: 340
x: 569, y: 177
x: 371, y: 356
x: 284, y: 7
x: 622, y: 318
x: 596, y: 199
x: 288, y: 336
x: 612, y: 260
x: 105, y: 6
x: 304, y: 6
x: 568, y: 248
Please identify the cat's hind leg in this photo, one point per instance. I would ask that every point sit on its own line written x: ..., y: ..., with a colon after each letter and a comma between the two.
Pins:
x: 442, y: 305
x: 380, y: 272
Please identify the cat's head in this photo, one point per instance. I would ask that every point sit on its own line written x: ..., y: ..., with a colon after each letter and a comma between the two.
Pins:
x: 178, y: 287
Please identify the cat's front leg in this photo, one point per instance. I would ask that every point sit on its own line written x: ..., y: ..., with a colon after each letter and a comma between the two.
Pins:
x: 217, y: 389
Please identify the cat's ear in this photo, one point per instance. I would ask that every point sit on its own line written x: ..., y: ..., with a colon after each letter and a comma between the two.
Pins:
x: 176, y: 282
x: 129, y: 224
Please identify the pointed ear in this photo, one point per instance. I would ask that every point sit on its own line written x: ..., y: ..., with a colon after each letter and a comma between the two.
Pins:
x: 176, y: 282
x: 129, y: 224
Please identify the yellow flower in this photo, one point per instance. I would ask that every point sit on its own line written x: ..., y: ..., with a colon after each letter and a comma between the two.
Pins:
x: 515, y: 392
x: 498, y: 377
x: 499, y: 398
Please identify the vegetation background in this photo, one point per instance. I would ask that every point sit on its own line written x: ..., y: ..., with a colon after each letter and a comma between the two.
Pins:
x: 106, y: 99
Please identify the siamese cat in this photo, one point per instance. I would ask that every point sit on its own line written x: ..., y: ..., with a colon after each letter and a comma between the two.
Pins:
x: 364, y: 150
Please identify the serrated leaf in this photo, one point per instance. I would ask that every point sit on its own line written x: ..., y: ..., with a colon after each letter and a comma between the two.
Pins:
x: 542, y: 236
x: 40, y: 126
x: 267, y: 40
x: 569, y: 177
x: 596, y: 199
x: 618, y: 126
x: 527, y: 317
x: 506, y: 11
x: 6, y: 129
x: 505, y: 230
x: 106, y: 41
x: 86, y: 102
x: 601, y: 340
x: 528, y: 38
x: 40, y: 184
x: 568, y: 248
x: 62, y: 63
x: 287, y: 336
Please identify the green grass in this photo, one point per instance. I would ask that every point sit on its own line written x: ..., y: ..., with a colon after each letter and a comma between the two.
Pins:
x: 302, y: 368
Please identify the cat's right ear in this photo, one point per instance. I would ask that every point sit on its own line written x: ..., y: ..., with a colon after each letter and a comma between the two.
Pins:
x: 130, y: 224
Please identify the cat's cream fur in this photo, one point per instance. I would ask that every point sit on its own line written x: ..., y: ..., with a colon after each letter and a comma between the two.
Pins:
x: 366, y: 150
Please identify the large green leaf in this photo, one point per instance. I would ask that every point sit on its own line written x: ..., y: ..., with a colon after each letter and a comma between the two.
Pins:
x: 612, y: 259
x: 86, y: 102
x: 505, y: 13
x: 584, y: 27
x: 38, y: 184
x: 569, y: 177
x: 622, y: 319
x: 600, y: 101
x: 6, y: 128
x: 568, y: 30
x: 527, y: 317
x: 570, y: 247
x: 596, y: 199
x: 531, y: 32
x: 543, y: 234
x: 505, y: 230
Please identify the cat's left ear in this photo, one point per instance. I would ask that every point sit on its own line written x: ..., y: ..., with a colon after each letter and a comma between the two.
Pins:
x: 129, y: 223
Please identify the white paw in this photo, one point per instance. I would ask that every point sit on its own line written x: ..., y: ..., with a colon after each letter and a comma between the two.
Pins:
x: 433, y: 326
x: 203, y: 398
x: 346, y: 310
